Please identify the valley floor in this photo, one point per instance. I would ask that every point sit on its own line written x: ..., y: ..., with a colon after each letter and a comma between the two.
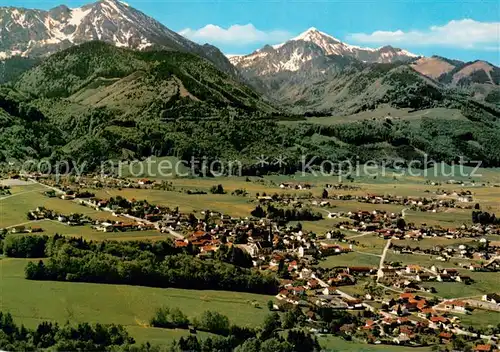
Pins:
x: 31, y: 302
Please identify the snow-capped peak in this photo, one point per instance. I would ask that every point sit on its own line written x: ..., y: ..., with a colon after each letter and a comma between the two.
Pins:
x: 329, y: 44
x: 77, y: 15
x: 32, y: 32
x: 299, y: 51
x: 313, y: 35
x: 112, y: 21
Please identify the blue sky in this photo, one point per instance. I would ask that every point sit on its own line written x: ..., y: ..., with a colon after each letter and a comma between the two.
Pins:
x: 464, y: 30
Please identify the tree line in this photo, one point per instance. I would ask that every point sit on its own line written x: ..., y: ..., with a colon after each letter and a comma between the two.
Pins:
x: 286, y: 214
x: 158, y: 264
x: 484, y: 218
x: 277, y: 334
x: 51, y: 336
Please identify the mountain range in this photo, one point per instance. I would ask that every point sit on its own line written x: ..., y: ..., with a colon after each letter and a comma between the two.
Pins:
x: 32, y: 33
x: 106, y: 81
x: 296, y: 53
x: 315, y: 71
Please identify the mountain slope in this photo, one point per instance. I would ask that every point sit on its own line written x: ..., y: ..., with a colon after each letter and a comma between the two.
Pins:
x: 12, y: 68
x: 317, y: 73
x: 24, y: 130
x: 95, y: 102
x: 433, y: 67
x: 106, y: 103
x: 102, y: 75
x: 29, y: 32
x: 312, y: 71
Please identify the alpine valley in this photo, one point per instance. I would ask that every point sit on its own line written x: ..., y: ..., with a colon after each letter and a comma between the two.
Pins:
x: 106, y: 81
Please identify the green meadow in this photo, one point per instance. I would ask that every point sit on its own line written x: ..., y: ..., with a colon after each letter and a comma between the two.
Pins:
x: 31, y: 302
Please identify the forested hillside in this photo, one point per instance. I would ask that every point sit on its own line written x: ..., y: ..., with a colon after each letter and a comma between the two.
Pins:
x: 12, y: 68
x: 95, y: 101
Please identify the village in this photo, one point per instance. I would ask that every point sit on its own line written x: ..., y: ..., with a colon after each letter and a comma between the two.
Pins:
x: 397, y: 303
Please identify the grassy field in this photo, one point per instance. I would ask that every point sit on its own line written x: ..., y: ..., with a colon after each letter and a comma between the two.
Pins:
x: 161, y: 337
x: 350, y: 259
x: 425, y: 260
x: 31, y: 302
x: 337, y: 344
x: 455, y: 289
x: 154, y: 167
x: 224, y: 203
x: 480, y: 318
x: 435, y: 241
x: 449, y: 218
x: 14, y: 209
x: 53, y: 227
x: 370, y: 244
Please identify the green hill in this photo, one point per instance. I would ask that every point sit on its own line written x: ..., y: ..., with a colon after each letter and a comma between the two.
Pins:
x: 164, y: 82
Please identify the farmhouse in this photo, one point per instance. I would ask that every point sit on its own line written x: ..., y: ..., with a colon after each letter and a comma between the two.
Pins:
x: 492, y: 298
x: 455, y: 306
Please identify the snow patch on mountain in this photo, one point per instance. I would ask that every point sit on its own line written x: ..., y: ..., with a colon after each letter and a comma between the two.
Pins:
x: 77, y: 16
x: 112, y: 21
x: 296, y: 52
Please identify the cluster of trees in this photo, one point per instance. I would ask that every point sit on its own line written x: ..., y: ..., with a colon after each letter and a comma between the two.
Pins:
x: 291, y: 341
x: 49, y: 336
x: 29, y: 246
x: 217, y: 189
x: 144, y: 264
x: 286, y: 214
x: 169, y: 318
x: 35, y: 246
x: 234, y: 255
x: 241, y: 192
x: 268, y: 337
x: 484, y: 218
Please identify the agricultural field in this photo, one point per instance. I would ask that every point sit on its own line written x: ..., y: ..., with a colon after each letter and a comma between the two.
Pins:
x: 423, y: 260
x: 13, y: 210
x: 382, y: 112
x: 131, y: 306
x: 337, y: 344
x: 429, y: 243
x: 224, y: 203
x: 480, y: 318
x: 350, y: 259
x: 450, y: 218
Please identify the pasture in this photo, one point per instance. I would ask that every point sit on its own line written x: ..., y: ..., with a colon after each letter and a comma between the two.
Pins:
x: 337, y: 344
x: 31, y: 302
x: 350, y: 259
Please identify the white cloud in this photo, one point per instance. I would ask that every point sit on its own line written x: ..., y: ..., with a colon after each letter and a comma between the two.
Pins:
x: 465, y: 34
x: 235, y: 35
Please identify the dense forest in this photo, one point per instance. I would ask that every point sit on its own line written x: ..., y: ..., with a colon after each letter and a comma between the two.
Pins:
x: 158, y: 264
